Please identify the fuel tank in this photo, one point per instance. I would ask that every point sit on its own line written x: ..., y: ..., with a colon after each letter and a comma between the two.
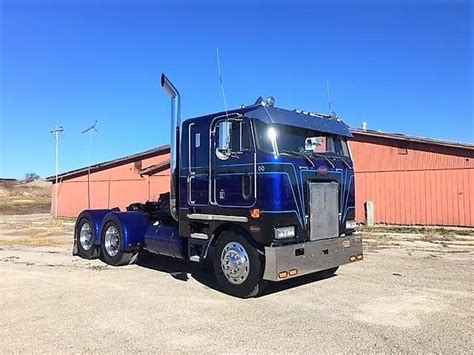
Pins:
x: 164, y: 240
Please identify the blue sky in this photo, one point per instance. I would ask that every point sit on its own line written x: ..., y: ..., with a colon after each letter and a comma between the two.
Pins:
x: 402, y: 67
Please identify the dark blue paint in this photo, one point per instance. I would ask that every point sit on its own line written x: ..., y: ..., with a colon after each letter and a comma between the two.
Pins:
x: 133, y: 226
x: 95, y: 217
x: 281, y: 182
x: 198, y: 189
x: 164, y: 240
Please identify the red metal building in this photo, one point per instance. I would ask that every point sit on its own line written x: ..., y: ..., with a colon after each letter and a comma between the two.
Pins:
x: 413, y: 181
x: 410, y: 180
x: 115, y: 183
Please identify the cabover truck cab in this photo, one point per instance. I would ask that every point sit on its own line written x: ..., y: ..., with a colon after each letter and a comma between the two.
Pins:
x: 264, y: 193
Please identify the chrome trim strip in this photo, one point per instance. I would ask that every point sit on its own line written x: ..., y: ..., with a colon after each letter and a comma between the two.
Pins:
x: 201, y: 236
x: 189, y: 148
x: 217, y: 217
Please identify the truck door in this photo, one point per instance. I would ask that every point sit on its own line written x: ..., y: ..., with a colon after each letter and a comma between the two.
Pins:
x: 233, y: 165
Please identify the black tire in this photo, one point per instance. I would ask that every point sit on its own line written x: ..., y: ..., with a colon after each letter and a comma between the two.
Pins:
x: 92, y: 252
x: 328, y: 273
x: 121, y: 257
x: 253, y: 284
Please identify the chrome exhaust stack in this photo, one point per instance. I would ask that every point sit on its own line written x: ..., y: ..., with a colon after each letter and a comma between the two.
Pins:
x: 175, y: 127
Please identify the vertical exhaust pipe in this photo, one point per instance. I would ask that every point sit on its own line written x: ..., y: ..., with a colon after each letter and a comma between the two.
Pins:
x: 175, y: 127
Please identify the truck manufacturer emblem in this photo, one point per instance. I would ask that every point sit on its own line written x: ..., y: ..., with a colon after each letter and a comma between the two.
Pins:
x: 255, y: 229
x: 323, y: 170
x: 261, y: 168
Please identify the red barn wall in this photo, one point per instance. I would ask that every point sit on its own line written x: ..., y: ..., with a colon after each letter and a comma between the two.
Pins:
x: 113, y: 187
x: 413, y: 183
x: 409, y: 183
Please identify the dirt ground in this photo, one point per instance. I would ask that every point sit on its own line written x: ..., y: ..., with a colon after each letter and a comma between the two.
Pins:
x: 412, y: 293
x: 25, y: 198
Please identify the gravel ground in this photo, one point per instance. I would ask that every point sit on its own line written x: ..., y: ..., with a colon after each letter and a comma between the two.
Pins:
x: 410, y: 294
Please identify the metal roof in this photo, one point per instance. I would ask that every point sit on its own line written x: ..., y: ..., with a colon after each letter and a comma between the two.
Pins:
x: 164, y: 149
x: 403, y: 137
x: 157, y: 168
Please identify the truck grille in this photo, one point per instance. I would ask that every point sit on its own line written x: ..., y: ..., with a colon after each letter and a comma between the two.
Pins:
x: 324, y: 210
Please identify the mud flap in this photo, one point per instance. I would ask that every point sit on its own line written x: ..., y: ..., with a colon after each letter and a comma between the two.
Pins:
x: 74, y: 246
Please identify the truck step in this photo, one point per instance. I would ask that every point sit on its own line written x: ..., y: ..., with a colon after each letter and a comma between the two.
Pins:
x: 201, y: 236
x: 195, y: 258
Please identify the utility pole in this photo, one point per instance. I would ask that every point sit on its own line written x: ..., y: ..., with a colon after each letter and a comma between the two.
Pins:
x: 89, y: 131
x: 56, y: 133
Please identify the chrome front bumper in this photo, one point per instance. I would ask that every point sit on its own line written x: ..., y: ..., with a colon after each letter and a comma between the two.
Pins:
x: 305, y: 258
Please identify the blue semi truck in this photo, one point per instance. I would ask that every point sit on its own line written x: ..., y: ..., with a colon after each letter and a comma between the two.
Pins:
x: 264, y: 193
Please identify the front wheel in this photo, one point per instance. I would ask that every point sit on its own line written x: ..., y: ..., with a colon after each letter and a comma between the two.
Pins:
x: 237, y: 266
x: 111, y: 246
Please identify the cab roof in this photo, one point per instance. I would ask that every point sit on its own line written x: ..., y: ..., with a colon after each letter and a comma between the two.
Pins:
x: 297, y: 118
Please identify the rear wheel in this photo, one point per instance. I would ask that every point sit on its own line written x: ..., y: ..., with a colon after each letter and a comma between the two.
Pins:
x: 237, y: 266
x: 85, y: 236
x: 111, y: 246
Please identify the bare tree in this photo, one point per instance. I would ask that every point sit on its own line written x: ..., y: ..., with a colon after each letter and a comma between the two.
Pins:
x: 29, y: 177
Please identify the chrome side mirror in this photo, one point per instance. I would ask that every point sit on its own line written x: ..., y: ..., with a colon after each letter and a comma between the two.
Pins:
x: 311, y: 144
x: 223, y: 150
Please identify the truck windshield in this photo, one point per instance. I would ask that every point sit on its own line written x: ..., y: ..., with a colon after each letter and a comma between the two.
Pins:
x: 289, y: 139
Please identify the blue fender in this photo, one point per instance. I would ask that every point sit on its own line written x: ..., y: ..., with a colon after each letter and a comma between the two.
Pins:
x: 95, y: 217
x: 133, y: 226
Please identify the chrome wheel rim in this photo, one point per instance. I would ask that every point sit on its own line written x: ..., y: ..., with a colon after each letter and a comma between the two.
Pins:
x: 235, y: 263
x: 85, y: 236
x: 112, y: 240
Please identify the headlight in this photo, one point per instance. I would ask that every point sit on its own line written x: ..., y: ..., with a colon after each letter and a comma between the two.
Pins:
x: 284, y: 232
x: 351, y: 224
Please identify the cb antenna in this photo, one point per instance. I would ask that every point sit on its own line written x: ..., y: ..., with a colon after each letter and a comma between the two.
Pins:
x: 329, y: 97
x: 221, y: 81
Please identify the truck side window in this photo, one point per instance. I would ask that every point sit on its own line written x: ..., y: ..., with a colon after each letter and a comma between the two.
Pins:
x: 246, y: 186
x: 342, y: 148
x: 240, y: 136
x: 235, y: 137
x: 345, y: 149
x: 246, y: 136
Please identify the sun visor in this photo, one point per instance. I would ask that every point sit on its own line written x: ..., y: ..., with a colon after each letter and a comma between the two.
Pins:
x: 302, y: 119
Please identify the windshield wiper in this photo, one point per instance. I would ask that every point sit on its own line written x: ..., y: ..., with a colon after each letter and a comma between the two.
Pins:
x: 335, y: 157
x: 298, y: 154
x: 345, y: 162
x: 324, y: 157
